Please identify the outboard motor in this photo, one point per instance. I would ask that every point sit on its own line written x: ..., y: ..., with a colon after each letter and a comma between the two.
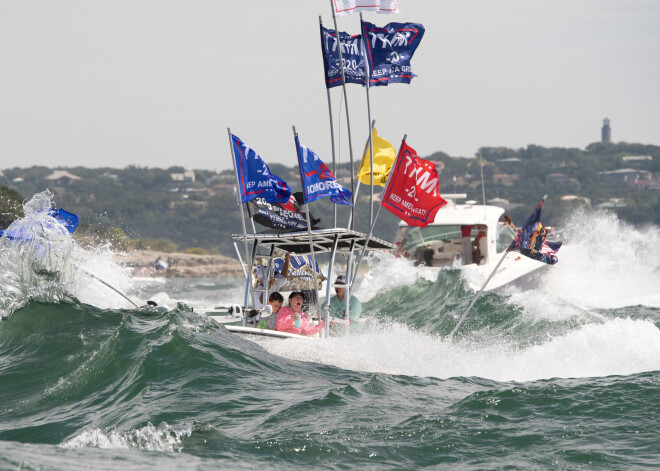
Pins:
x: 235, y: 311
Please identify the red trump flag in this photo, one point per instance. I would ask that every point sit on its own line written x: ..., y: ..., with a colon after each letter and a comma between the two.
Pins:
x: 412, y: 192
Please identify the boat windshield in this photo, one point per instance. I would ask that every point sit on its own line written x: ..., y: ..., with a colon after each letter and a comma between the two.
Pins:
x: 417, y: 236
x: 504, y: 238
x: 437, y: 246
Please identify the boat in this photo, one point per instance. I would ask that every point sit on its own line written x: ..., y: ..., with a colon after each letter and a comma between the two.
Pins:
x: 440, y: 245
x: 266, y: 247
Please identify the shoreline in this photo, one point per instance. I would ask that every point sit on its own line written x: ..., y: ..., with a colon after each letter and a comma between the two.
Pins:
x: 181, y: 265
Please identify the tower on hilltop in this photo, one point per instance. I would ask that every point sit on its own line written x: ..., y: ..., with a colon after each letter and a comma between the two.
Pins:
x: 606, y: 131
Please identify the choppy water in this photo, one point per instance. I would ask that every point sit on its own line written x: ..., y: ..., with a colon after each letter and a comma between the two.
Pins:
x: 565, y: 376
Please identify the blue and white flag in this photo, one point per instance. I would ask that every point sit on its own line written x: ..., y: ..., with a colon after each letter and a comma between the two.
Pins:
x: 254, y: 177
x: 318, y: 181
x: 351, y: 53
x: 389, y: 51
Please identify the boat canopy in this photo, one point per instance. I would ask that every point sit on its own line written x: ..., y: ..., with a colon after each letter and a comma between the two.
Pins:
x: 322, y: 240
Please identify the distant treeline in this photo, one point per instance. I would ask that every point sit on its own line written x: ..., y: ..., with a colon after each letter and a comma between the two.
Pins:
x: 165, y: 209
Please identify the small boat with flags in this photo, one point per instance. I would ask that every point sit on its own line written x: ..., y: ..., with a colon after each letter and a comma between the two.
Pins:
x: 470, y: 237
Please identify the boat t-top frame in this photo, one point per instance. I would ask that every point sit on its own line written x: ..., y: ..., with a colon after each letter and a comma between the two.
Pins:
x: 333, y: 241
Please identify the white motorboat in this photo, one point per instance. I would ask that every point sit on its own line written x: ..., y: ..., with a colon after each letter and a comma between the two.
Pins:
x: 441, y: 244
x: 266, y: 247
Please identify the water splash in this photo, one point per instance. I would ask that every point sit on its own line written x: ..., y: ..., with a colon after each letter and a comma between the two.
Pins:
x: 41, y: 261
x: 162, y: 438
x: 614, y: 347
x: 606, y: 263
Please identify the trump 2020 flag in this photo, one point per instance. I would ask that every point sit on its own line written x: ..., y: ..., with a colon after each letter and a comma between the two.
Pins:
x: 346, y: 7
x: 389, y: 51
x: 254, y: 177
x: 351, y: 53
x: 384, y: 155
x: 531, y: 242
x: 412, y: 190
x: 318, y: 181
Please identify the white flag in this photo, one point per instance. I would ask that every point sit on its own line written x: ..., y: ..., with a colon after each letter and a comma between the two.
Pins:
x: 346, y: 7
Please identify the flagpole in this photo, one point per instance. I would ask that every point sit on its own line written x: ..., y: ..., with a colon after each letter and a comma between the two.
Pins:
x: 477, y: 295
x: 309, y: 232
x: 238, y: 197
x: 371, y: 123
x: 506, y: 252
x: 332, y: 132
x: 357, y: 189
x: 348, y: 120
x: 380, y: 205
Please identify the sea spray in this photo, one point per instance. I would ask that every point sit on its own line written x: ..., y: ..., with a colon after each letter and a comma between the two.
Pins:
x: 35, y: 255
x: 40, y: 260
x: 606, y: 262
x: 615, y: 347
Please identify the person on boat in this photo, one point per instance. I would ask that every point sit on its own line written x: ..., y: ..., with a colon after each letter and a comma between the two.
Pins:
x: 466, y: 242
x: 275, y: 301
x: 338, y: 306
x: 506, y: 221
x: 480, y: 244
x: 289, y: 316
x: 275, y: 283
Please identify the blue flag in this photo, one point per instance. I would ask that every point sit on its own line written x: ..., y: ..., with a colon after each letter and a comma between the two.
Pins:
x: 68, y: 220
x: 531, y: 242
x: 254, y: 177
x: 351, y: 53
x: 389, y: 51
x: 318, y: 181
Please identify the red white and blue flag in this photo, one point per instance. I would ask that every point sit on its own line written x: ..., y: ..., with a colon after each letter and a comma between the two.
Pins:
x: 317, y: 179
x: 530, y: 240
x: 412, y: 191
x: 254, y: 177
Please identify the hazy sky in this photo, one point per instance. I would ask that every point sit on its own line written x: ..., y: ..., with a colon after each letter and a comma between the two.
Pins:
x: 156, y: 83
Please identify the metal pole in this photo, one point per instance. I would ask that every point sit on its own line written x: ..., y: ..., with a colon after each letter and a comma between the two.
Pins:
x: 309, y: 232
x: 248, y: 285
x: 238, y: 194
x: 329, y: 283
x: 109, y: 286
x: 348, y: 120
x: 240, y: 259
x: 311, y: 247
x: 332, y: 136
x: 366, y: 243
x: 347, y: 295
x: 477, y: 296
x: 364, y: 249
x: 357, y: 190
x: 371, y: 123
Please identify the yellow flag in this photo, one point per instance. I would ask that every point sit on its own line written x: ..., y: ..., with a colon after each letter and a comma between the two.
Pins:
x: 384, y: 155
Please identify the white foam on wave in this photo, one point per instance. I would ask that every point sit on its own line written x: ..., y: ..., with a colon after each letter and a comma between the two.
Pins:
x: 614, y: 347
x: 149, y: 438
x: 606, y: 263
x: 387, y: 272
x: 94, y: 266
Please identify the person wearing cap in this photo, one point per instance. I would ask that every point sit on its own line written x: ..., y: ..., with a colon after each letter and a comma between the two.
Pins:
x: 286, y: 317
x: 338, y: 305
